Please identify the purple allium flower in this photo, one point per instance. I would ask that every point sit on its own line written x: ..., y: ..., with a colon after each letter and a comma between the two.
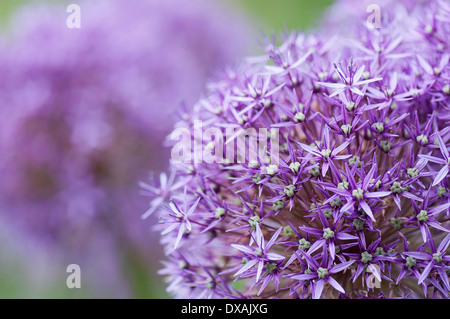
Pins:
x: 86, y: 112
x: 355, y: 202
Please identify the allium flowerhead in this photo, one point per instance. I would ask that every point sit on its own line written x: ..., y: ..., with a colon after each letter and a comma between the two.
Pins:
x: 345, y: 194
x: 86, y: 112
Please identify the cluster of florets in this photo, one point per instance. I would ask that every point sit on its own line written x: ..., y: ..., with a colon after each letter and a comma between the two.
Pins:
x: 357, y: 205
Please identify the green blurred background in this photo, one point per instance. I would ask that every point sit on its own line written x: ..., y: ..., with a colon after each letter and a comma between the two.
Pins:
x: 275, y: 16
x: 268, y: 15
x: 24, y: 272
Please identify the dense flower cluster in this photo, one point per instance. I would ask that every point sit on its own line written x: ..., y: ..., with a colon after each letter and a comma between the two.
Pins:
x: 86, y: 112
x: 358, y: 204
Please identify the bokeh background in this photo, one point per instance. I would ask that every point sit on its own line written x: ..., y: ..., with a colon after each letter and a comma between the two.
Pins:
x: 84, y: 115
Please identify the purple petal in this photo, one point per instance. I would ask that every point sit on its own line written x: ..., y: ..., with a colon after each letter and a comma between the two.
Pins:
x: 264, y: 285
x: 369, y: 177
x: 259, y: 237
x: 309, y: 149
x: 438, y: 226
x: 341, y: 147
x: 442, y: 146
x: 274, y: 237
x: 377, y: 194
x: 444, y: 277
x: 336, y: 285
x: 332, y: 249
x: 308, y: 276
x: 338, y: 191
x: 439, y: 209
x: 355, y: 90
x: 337, y: 92
x: 425, y: 272
x: 340, y: 267
x: 433, y: 159
x: 311, y: 230
x: 175, y: 208
x: 242, y: 248
x: 423, y: 231
x: 397, y: 201
x: 347, y: 206
x: 188, y: 225
x: 153, y: 206
x: 367, y: 209
x: 332, y: 85
x: 193, y: 207
x: 319, y: 243
x: 359, y: 73
x: 274, y: 256
x: 369, y: 81
x: 418, y: 255
x: 375, y: 272
x: 424, y: 64
x: 444, y: 243
x: 318, y: 288
x: 401, y: 275
x: 359, y: 270
x: 326, y: 136
x: 411, y: 196
x: 276, y: 89
x: 441, y: 175
x: 311, y: 261
x: 247, y: 266
x: 179, y: 236
x: 260, y: 269
x: 325, y: 166
x: 301, y: 60
x: 345, y: 236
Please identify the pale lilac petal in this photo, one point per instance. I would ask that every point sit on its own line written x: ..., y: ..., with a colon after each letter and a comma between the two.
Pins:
x: 425, y: 272
x: 318, y: 288
x: 246, y: 267
x: 259, y: 271
x: 336, y: 285
x: 377, y: 194
x: 340, y: 267
x: 308, y: 276
x: 367, y: 209
x: 274, y: 256
x: 441, y: 175
x: 244, y: 249
x: 179, y: 235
